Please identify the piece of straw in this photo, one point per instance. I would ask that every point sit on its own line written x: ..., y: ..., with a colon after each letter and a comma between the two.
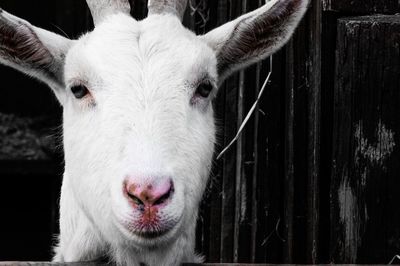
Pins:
x: 250, y: 113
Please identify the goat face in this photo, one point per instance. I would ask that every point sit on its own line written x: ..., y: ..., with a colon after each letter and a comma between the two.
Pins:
x: 138, y: 120
x: 139, y: 144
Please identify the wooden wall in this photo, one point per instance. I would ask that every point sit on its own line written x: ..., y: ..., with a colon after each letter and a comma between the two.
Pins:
x: 314, y: 177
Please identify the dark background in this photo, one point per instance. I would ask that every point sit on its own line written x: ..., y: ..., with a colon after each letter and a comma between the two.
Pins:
x: 315, y: 178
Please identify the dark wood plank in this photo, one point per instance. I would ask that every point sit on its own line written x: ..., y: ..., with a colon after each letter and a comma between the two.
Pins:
x: 269, y: 191
x: 313, y: 72
x: 230, y: 176
x: 239, y: 177
x: 328, y: 49
x: 302, y: 146
x: 289, y: 155
x: 362, y: 6
x: 365, y: 154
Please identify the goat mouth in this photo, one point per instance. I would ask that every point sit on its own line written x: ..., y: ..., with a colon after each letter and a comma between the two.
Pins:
x: 151, y: 234
x: 154, y: 231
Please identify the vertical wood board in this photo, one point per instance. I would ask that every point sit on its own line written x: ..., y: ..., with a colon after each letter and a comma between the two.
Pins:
x: 365, y: 165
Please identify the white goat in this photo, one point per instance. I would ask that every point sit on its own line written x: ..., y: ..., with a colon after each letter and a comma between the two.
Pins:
x: 138, y: 120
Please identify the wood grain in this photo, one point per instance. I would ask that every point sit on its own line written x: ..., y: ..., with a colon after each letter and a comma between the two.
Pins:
x: 365, y: 164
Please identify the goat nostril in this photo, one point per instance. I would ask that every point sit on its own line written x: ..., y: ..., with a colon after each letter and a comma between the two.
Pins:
x: 135, y: 199
x: 164, y: 197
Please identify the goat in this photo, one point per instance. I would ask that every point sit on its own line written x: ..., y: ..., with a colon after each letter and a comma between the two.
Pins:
x: 138, y: 122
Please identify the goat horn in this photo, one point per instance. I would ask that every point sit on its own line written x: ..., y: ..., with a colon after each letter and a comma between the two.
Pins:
x: 100, y: 9
x: 176, y: 7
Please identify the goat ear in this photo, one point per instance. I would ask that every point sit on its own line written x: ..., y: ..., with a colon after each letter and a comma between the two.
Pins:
x: 33, y: 51
x: 256, y: 35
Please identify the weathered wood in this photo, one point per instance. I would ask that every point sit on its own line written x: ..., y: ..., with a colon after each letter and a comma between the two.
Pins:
x: 229, y: 171
x: 313, y: 73
x: 327, y: 91
x: 289, y: 156
x: 362, y: 6
x: 271, y: 240
x: 364, y: 196
x: 303, y: 97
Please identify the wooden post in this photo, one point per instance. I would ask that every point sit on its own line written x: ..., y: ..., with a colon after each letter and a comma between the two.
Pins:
x: 366, y: 152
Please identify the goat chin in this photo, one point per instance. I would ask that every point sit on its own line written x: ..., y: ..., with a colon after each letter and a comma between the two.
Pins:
x: 105, y: 238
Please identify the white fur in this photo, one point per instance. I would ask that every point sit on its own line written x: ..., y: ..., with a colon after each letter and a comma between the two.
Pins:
x: 142, y: 124
x: 140, y: 120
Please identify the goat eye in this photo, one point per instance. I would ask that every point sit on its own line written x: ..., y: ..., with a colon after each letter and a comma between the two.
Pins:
x: 204, y: 90
x: 79, y: 91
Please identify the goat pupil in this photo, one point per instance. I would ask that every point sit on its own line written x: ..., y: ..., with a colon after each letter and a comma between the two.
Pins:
x: 204, y: 90
x: 79, y: 91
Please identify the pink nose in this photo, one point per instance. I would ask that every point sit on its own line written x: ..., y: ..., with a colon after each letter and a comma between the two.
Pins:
x: 150, y: 194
